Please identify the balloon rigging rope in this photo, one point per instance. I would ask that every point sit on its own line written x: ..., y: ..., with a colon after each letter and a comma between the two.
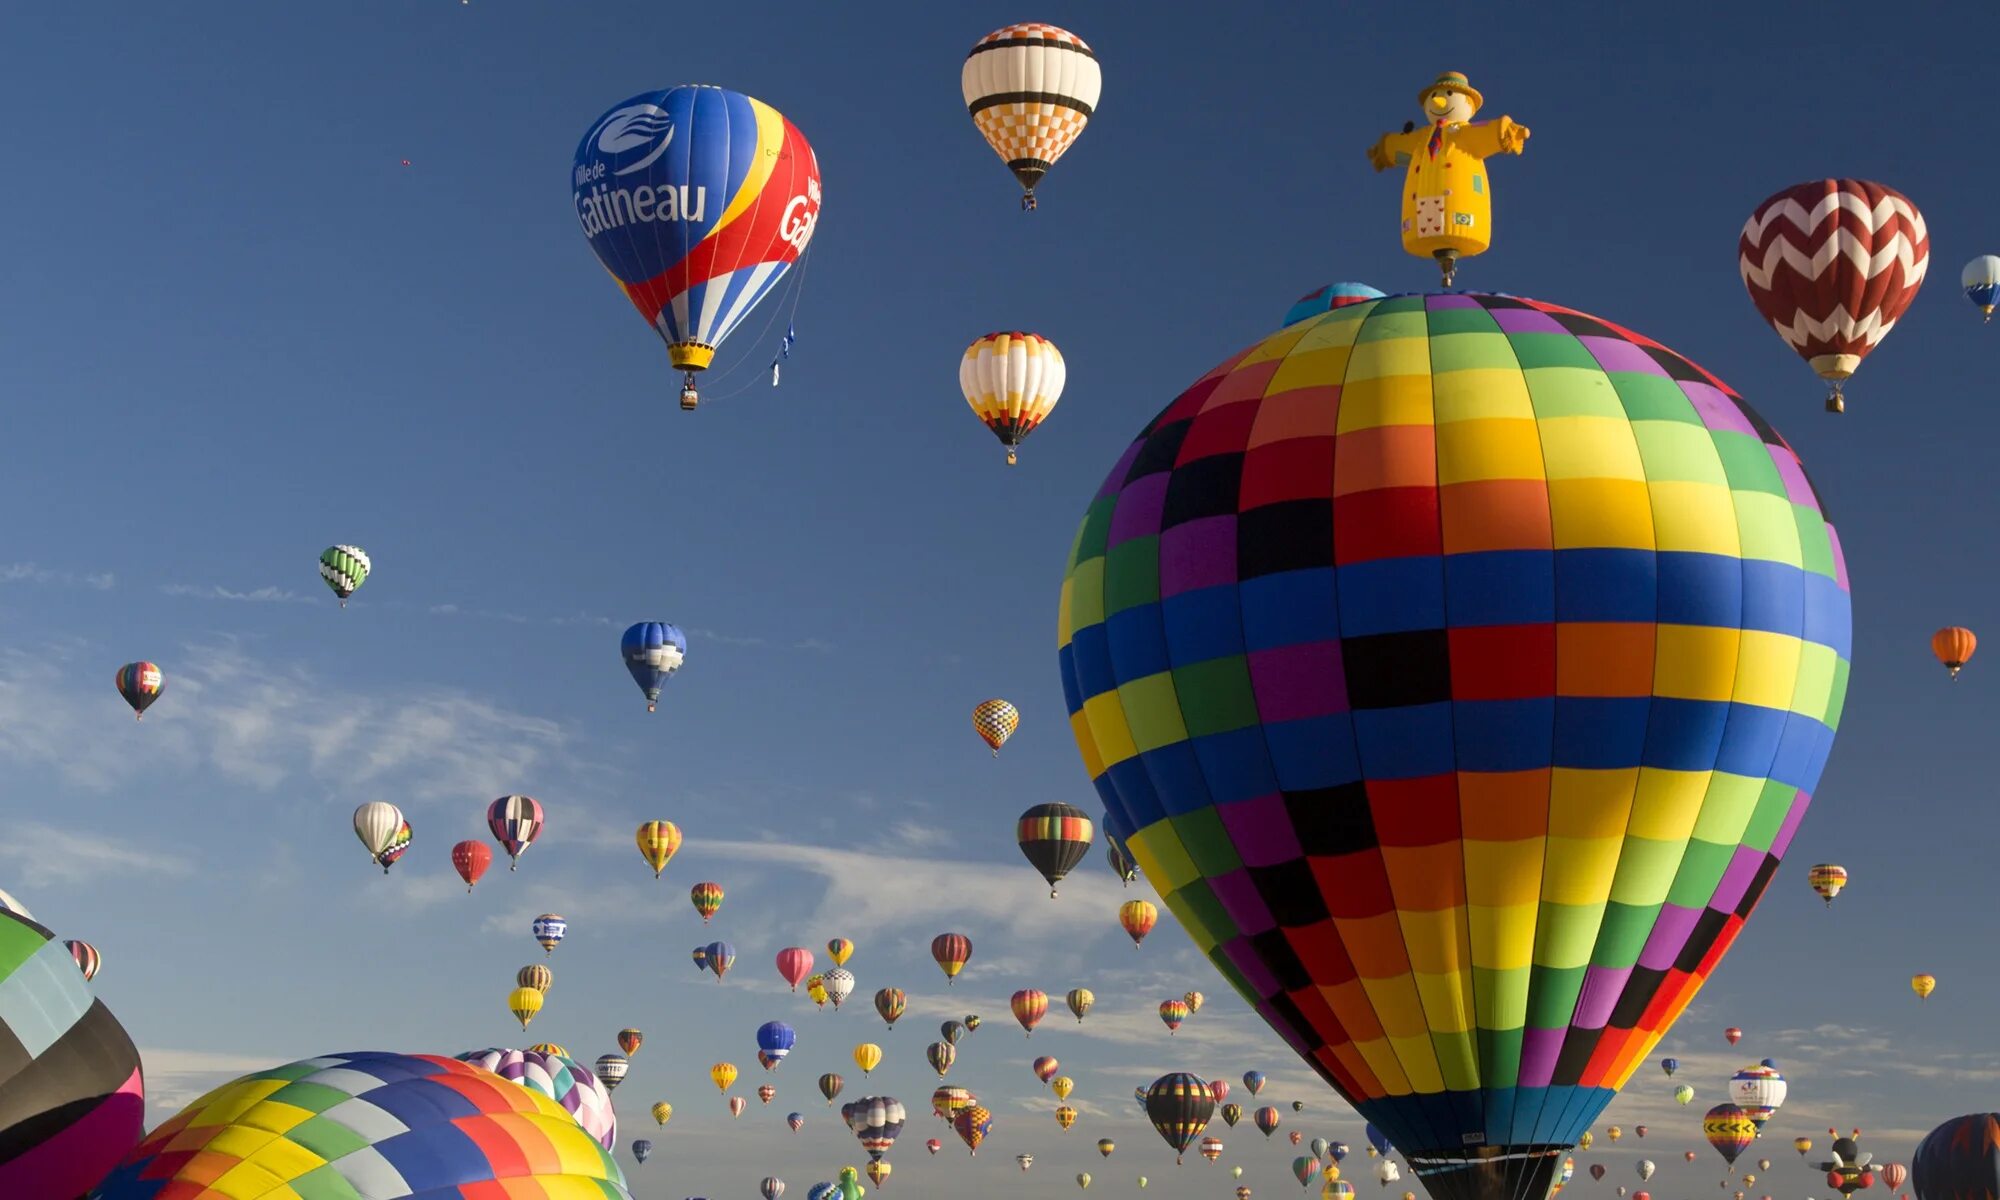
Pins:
x: 798, y: 286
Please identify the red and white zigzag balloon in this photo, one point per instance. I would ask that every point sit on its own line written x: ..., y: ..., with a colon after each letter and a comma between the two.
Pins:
x: 1831, y: 264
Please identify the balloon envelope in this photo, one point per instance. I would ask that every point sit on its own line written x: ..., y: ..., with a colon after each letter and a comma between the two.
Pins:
x: 1354, y: 631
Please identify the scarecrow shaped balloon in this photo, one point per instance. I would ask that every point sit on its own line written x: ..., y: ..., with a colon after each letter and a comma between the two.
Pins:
x: 1447, y: 199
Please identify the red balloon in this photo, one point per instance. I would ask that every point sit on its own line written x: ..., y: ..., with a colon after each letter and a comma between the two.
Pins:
x: 471, y: 859
x: 1831, y: 264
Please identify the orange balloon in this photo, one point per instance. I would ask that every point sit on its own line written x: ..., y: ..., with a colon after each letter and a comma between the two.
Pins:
x: 1953, y: 646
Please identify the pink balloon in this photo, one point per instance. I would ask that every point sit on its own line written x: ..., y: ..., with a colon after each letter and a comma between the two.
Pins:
x: 794, y: 964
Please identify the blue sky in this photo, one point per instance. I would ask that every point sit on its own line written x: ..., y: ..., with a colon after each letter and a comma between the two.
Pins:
x: 234, y: 329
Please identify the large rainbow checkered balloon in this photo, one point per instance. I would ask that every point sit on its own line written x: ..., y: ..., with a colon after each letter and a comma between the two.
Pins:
x: 1460, y: 667
x: 381, y: 1126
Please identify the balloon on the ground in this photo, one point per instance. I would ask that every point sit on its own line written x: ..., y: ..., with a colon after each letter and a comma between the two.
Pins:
x: 1455, y: 575
x: 356, y: 1124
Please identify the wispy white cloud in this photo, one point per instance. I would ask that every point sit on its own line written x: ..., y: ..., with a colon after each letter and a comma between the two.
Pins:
x: 175, y: 1078
x: 262, y: 595
x: 28, y: 572
x: 40, y: 854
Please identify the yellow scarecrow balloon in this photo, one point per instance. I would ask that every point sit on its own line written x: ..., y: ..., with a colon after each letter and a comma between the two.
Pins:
x: 1447, y: 198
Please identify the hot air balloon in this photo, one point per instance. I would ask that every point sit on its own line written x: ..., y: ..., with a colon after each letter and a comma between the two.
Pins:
x: 611, y: 1070
x: 140, y: 683
x: 772, y: 1187
x: 1211, y: 1148
x: 1045, y: 1068
x: 1105, y: 1146
x: 1121, y: 862
x: 1194, y: 1002
x: 995, y: 720
x: 1296, y: 1137
x: 1981, y: 281
x: 1958, y: 1160
x: 1273, y: 577
x: 839, y: 985
x: 952, y: 951
x: 524, y: 1003
x: 1759, y: 1091
x: 1080, y: 1000
x: 816, y: 990
x: 850, y: 1184
x: 1646, y: 1169
x: 653, y: 651
x: 719, y: 956
x: 1953, y: 646
x: 775, y: 1040
x: 1012, y: 381
x: 1172, y: 1013
x: 697, y: 237
x: 1029, y: 1005
x: 1683, y: 1094
x: 1030, y: 88
x: 1640, y: 1130
x: 1832, y: 264
x: 1179, y: 1106
x: 1266, y: 1119
x: 1025, y: 1160
x: 642, y: 1149
x: 470, y: 859
x: 663, y: 1112
x: 736, y: 1106
x: 951, y: 1031
x: 878, y: 1170
x: 794, y: 964
x: 1827, y: 879
x: 889, y: 1005
x: 1062, y: 1086
x: 1733, y: 1035
x: 1253, y: 1081
x: 1065, y: 1116
x: 707, y: 899
x: 1339, y: 1152
x: 377, y: 825
x: 940, y: 1055
x: 1138, y: 917
x: 1298, y: 1106
x: 291, y: 1129
x: 549, y: 929
x: 1614, y: 1133
x: 1802, y: 1145
x: 867, y: 1056
x: 839, y: 950
x: 399, y: 844
x: 1670, y: 1065
x: 971, y: 1124
x: 516, y: 821
x: 345, y: 569
x: 795, y: 1120
x: 1083, y: 1179
x: 722, y: 1074
x: 1303, y: 1169
x: 1893, y: 1175
x: 1597, y: 1171
x: 1230, y: 1113
x: 946, y: 1101
x: 1326, y: 299
x: 1379, y: 1142
x: 875, y: 1120
x: 1054, y: 838
x: 1923, y: 985
x: 701, y: 959
x: 657, y: 842
x: 85, y: 956
x: 1689, y: 1156
x: 1730, y: 1130
x: 829, y: 1086
x: 971, y: 1021
x: 1442, y: 221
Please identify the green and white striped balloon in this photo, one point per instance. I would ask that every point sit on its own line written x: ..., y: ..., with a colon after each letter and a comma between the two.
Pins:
x: 345, y: 568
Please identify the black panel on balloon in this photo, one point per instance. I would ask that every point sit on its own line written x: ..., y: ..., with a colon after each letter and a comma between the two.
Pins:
x: 1275, y: 952
x: 1333, y: 820
x: 1640, y: 988
x: 1206, y: 487
x: 1291, y: 892
x: 1395, y: 670
x: 1159, y: 452
x: 1701, y: 940
x: 1291, y: 535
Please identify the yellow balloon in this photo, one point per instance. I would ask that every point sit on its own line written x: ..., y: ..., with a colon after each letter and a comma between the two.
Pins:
x: 1923, y: 985
x: 1062, y: 1085
x: 867, y: 1056
x: 1614, y: 1133
x: 839, y: 949
x: 657, y: 842
x: 1083, y: 1179
x: 524, y: 1003
x: 1065, y: 1116
x: 723, y: 1074
x: 1447, y: 192
x: 663, y: 1112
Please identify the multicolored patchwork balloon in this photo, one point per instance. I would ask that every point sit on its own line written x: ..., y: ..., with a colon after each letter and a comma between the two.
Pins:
x: 369, y: 1124
x: 568, y: 1083
x: 72, y: 1099
x: 1463, y: 666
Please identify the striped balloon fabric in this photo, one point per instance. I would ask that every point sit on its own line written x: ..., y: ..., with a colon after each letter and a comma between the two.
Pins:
x: 381, y: 1126
x: 72, y: 1100
x: 1462, y: 666
x: 568, y: 1083
x: 1832, y: 264
x: 1030, y: 89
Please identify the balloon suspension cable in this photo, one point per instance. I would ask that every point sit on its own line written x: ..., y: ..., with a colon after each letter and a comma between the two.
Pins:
x: 1835, y: 402
x: 1447, y: 264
